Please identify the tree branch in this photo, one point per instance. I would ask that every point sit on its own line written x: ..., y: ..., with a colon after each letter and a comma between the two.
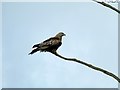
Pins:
x: 107, y: 5
x: 90, y: 66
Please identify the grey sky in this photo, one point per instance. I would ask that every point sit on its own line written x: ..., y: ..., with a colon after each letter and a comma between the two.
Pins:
x: 91, y: 35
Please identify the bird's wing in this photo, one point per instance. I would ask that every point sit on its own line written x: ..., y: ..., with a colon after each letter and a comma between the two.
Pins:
x: 50, y: 42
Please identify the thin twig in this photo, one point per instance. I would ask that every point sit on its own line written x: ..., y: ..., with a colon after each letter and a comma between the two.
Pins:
x: 107, y: 5
x: 90, y: 66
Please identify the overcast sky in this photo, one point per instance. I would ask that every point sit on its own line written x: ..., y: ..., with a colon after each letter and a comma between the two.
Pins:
x: 91, y: 35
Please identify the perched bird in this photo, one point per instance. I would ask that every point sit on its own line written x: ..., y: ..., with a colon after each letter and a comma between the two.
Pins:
x: 49, y: 45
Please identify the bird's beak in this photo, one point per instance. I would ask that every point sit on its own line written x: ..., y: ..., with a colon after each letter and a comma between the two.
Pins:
x: 64, y: 34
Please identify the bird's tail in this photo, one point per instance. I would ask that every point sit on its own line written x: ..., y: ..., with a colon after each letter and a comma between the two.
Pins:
x: 33, y: 51
x: 36, y: 45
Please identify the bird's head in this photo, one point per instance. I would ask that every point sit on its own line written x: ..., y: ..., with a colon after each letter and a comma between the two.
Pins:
x: 60, y: 34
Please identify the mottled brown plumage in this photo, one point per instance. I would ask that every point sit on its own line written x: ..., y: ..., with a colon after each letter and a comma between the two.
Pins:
x: 49, y: 45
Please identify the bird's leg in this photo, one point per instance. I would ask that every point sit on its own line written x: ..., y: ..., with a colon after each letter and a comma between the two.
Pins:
x: 53, y: 51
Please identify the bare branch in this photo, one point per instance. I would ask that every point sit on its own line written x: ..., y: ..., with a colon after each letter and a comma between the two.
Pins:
x: 107, y: 5
x: 90, y: 66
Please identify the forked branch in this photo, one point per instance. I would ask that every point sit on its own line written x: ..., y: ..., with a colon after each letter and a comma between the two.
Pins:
x: 90, y: 66
x: 107, y: 5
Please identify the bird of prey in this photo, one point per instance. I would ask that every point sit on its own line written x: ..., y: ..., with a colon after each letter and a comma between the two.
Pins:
x: 49, y: 45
